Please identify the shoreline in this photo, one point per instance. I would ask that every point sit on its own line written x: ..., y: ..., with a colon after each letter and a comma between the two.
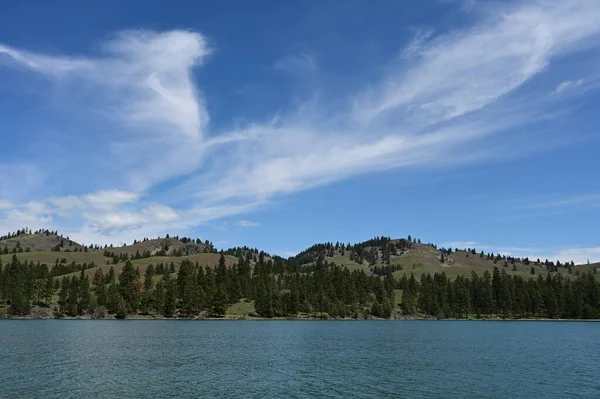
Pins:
x: 200, y: 319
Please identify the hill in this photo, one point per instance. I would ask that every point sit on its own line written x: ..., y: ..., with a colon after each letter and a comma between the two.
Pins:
x: 377, y: 256
x: 381, y: 255
x: 163, y: 247
x: 26, y: 241
x: 380, y: 277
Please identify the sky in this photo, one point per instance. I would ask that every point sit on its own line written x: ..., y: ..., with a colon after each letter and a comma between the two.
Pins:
x: 281, y: 124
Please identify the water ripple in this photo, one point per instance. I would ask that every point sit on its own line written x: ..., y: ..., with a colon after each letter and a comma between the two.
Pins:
x: 287, y: 359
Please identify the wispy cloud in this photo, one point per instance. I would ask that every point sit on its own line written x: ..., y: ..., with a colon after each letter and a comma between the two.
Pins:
x: 247, y: 223
x: 297, y: 64
x: 18, y: 180
x: 286, y: 254
x: 579, y: 255
x: 4, y: 204
x: 568, y: 85
x: 452, y: 91
x: 579, y: 200
x: 142, y: 84
x: 459, y: 244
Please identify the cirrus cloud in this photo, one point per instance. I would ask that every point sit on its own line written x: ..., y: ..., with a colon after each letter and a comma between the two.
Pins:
x: 162, y: 166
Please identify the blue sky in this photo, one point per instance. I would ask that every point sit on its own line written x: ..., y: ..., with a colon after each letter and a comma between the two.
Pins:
x: 280, y: 124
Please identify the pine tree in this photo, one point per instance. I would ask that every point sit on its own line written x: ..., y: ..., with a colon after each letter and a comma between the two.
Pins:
x: 170, y: 299
x: 386, y: 309
x: 219, y: 301
x: 17, y: 288
x: 49, y: 289
x: 113, y: 297
x: 148, y: 283
x: 129, y: 287
x: 158, y: 297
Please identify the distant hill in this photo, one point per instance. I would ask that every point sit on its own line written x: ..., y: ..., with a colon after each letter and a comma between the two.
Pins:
x: 164, y: 247
x: 38, y: 241
x: 44, y: 274
x: 377, y: 256
x: 381, y: 255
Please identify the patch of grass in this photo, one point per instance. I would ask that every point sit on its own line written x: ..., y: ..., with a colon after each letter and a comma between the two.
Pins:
x: 208, y: 259
x: 244, y: 308
x: 344, y: 260
x: 49, y: 257
x: 397, y: 300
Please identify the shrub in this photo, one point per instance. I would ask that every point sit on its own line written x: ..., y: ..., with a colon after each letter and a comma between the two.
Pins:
x: 41, y: 313
x: 100, y: 313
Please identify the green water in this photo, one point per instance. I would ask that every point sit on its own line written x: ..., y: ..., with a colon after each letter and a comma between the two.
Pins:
x: 298, y: 359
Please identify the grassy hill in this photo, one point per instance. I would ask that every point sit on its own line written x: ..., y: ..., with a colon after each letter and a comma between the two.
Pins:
x: 205, y: 259
x: 401, y: 256
x: 45, y: 241
x: 164, y: 247
x: 380, y: 256
x: 419, y: 259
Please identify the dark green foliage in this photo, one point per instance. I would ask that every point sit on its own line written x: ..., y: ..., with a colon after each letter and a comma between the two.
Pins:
x: 375, y: 250
x: 170, y: 302
x: 219, y: 301
x: 121, y: 312
x: 130, y: 287
x: 17, y: 279
x: 281, y: 288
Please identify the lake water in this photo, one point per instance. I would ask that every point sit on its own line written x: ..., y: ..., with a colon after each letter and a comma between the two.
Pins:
x: 298, y: 359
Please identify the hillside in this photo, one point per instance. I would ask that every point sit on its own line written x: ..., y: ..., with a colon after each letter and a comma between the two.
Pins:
x: 38, y: 241
x: 404, y: 257
x: 380, y: 277
x: 375, y: 257
x: 210, y: 260
x: 164, y: 247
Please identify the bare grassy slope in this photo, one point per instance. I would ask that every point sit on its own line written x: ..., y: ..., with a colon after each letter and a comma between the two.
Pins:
x: 424, y: 258
x: 40, y: 242
x: 170, y: 246
x: 50, y: 257
x: 209, y: 259
x: 417, y: 259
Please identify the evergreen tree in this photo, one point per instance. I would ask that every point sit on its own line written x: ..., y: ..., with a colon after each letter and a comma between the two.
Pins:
x: 219, y: 301
x: 158, y: 297
x: 129, y: 287
x: 16, y: 283
x: 170, y: 302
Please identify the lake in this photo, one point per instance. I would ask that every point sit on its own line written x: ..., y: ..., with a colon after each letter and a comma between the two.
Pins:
x: 298, y: 359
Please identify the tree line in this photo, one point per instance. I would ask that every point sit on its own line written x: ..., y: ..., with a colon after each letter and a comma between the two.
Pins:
x: 281, y: 290
x: 500, y: 294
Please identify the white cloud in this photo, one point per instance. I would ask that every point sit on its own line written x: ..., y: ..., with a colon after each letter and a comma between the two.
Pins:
x: 568, y: 254
x: 109, y: 199
x: 219, y: 227
x: 433, y: 113
x: 297, y: 64
x: 247, y: 223
x: 5, y: 204
x: 452, y: 92
x: 577, y: 255
x: 463, y: 72
x: 162, y: 213
x: 287, y: 254
x: 142, y: 83
x: 32, y: 214
x: 460, y: 244
x: 18, y: 180
x: 578, y: 200
x: 104, y: 200
x: 568, y: 85
x: 116, y: 221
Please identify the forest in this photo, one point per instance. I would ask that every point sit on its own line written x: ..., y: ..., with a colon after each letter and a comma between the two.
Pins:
x: 281, y: 288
